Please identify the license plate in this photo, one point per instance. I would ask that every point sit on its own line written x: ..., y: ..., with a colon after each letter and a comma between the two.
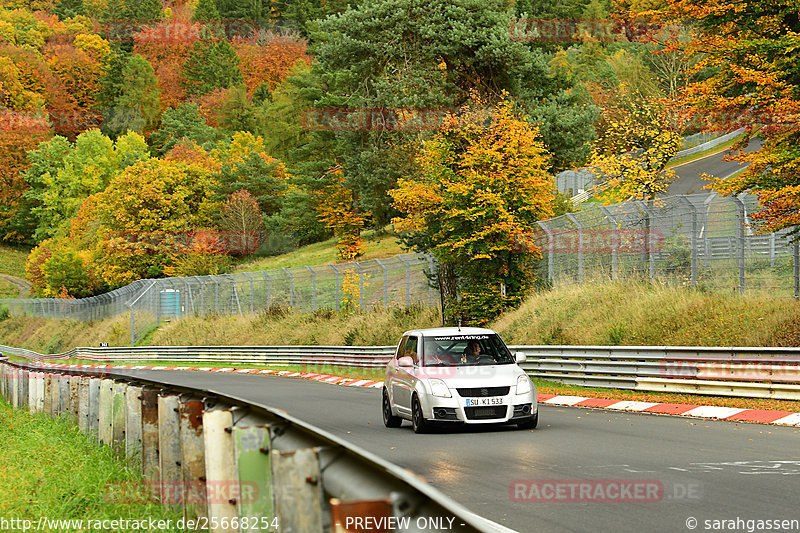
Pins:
x: 479, y: 402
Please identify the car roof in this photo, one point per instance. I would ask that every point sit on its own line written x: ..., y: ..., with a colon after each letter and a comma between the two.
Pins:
x: 436, y: 332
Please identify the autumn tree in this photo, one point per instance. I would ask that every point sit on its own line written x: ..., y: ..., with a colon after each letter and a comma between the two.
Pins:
x: 482, y: 186
x: 243, y: 221
x: 137, y: 106
x: 631, y: 156
x: 149, y: 208
x: 338, y: 209
x: 19, y: 134
x: 182, y: 123
x: 211, y: 64
x: 62, y: 175
x: 205, y: 11
x: 749, y: 51
x: 245, y: 165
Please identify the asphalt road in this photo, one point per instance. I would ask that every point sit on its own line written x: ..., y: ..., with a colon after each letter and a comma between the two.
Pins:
x: 689, y: 180
x: 708, y: 470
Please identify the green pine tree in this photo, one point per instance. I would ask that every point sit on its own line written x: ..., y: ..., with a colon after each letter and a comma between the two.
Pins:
x: 211, y: 65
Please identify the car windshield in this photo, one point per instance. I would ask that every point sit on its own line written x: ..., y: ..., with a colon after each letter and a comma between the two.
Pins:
x: 465, y: 350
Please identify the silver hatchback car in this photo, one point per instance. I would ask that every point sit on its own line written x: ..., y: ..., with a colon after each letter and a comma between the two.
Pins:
x: 457, y: 375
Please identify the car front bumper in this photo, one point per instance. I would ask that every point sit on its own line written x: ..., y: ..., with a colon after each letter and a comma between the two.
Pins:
x: 515, y: 408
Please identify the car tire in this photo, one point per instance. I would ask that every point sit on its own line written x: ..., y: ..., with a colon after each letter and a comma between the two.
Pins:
x: 389, y: 420
x: 530, y: 423
x: 418, y: 421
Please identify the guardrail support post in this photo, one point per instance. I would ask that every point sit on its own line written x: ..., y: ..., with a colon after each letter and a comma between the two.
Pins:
x: 94, y: 407
x: 47, y: 396
x: 298, y: 490
x: 150, y: 466
x: 83, y: 405
x: 169, y: 451
x: 105, y: 420
x: 133, y: 423
x: 220, y: 462
x: 118, y: 417
x: 193, y: 463
x: 251, y: 446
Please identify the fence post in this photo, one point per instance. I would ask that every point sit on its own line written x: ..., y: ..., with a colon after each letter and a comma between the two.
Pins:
x: 614, y: 241
x: 252, y: 292
x: 430, y: 287
x: 707, y: 228
x: 269, y: 289
x: 408, y: 280
x: 550, y: 250
x: 740, y: 240
x: 385, y: 283
x: 693, y: 240
x: 336, y: 288
x: 580, y: 246
x: 313, y: 288
x: 651, y: 260
x: 796, y: 269
x: 291, y: 287
x: 216, y: 295
x: 772, y: 250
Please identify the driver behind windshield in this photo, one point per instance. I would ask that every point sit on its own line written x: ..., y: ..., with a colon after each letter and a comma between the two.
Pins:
x: 472, y: 352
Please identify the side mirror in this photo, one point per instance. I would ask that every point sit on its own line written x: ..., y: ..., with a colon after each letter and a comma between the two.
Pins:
x: 405, y: 362
x: 520, y: 357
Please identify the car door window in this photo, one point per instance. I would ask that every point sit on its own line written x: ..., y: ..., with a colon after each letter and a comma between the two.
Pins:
x: 401, y: 348
x: 411, y: 351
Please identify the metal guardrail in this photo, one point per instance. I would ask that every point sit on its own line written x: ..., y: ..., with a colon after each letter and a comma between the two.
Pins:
x: 222, y: 459
x: 742, y: 372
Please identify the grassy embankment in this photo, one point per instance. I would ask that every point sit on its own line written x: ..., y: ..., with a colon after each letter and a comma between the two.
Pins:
x: 12, y: 262
x: 52, y: 470
x: 593, y: 314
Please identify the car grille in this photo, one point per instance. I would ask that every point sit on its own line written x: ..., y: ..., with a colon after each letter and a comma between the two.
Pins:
x: 486, y: 413
x: 482, y: 392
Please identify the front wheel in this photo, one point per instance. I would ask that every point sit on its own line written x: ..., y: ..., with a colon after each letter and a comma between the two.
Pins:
x: 530, y: 423
x: 389, y: 420
x: 418, y: 421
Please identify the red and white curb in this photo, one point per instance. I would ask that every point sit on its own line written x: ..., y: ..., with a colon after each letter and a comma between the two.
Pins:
x: 327, y: 378
x: 735, y: 414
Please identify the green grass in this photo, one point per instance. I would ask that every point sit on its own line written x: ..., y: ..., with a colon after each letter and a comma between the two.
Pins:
x: 12, y: 260
x: 378, y: 246
x: 50, y: 469
x: 8, y: 290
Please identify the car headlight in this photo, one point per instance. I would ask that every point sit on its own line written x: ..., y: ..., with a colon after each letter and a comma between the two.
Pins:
x: 438, y: 388
x: 523, y: 385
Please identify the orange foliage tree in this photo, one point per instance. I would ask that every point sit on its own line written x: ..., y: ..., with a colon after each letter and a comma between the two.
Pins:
x: 337, y: 208
x: 750, y: 50
x: 166, y: 46
x: 19, y: 133
x: 268, y: 59
x: 482, y: 185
